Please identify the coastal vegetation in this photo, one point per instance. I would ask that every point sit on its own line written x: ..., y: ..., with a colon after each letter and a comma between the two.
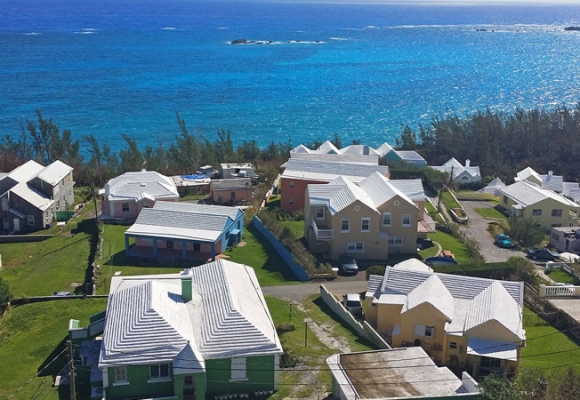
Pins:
x: 503, y: 143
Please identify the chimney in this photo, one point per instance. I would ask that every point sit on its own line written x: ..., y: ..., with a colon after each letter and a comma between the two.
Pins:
x: 550, y: 173
x: 366, y: 150
x: 186, y: 290
x: 468, y: 162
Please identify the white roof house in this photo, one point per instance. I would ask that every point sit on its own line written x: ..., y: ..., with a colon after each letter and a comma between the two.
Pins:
x: 135, y: 186
x: 461, y: 173
x: 213, y: 311
x: 466, y: 302
x: 493, y: 187
x: 175, y: 220
x: 345, y: 158
x: 355, y: 149
x: 323, y: 171
x: 525, y: 194
x: 548, y: 181
x: 55, y: 172
x: 26, y: 171
x: 32, y: 196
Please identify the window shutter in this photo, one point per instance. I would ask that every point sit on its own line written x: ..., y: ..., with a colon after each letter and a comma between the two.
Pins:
x: 419, y: 330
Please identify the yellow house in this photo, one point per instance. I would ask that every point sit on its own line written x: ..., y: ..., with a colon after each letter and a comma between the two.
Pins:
x: 368, y: 220
x: 525, y: 199
x: 466, y: 323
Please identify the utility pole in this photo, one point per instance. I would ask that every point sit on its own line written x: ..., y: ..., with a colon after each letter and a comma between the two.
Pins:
x: 71, y: 371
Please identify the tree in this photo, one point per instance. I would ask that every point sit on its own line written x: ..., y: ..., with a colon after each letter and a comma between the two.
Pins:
x: 96, y: 157
x: 494, y: 387
x: 131, y: 157
x: 5, y: 295
x: 524, y: 230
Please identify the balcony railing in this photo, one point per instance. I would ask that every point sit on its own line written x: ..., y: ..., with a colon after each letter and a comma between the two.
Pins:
x: 321, y: 234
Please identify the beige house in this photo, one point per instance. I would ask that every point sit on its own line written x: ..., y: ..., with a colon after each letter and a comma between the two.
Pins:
x: 527, y: 200
x: 368, y: 221
x: 462, y: 322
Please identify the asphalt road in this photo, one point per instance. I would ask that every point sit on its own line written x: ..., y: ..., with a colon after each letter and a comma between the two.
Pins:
x: 477, y: 230
x: 299, y: 292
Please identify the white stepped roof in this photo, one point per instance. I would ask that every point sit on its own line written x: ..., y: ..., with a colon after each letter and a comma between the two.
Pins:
x: 337, y: 195
x: 55, y: 172
x: 344, y: 158
x: 201, y: 209
x: 527, y: 173
x: 413, y: 188
x: 136, y: 185
x: 452, y: 162
x: 328, y: 147
x: 431, y: 291
x: 384, y: 149
x: 381, y: 190
x: 412, y: 264
x: 148, y: 322
x: 322, y: 171
x: 301, y: 149
x: 494, y: 303
x: 526, y: 193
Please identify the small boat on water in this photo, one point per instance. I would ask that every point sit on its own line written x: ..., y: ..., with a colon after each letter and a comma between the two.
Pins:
x: 440, y: 261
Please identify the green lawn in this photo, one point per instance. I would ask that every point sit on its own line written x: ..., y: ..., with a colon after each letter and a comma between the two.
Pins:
x: 546, y: 347
x: 56, y: 264
x: 559, y: 275
x: 431, y: 210
x: 306, y: 347
x: 474, y: 196
x: 449, y: 242
x: 490, y: 213
x: 257, y: 253
x: 31, y: 336
x: 296, y: 227
x: 449, y: 201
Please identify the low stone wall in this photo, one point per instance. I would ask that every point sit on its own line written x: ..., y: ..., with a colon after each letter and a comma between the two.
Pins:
x: 363, y: 328
x: 23, y: 238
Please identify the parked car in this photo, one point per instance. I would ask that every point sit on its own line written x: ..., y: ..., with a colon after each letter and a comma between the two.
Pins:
x: 503, y: 240
x: 542, y: 253
x: 352, y: 303
x: 348, y: 265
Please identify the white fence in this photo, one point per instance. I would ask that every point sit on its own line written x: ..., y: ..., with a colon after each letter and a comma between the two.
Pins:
x: 559, y: 291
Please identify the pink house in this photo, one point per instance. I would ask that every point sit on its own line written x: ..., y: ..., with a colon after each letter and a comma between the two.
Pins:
x: 125, y: 195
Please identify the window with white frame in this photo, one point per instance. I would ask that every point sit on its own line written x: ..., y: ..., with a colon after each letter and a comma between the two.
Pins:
x: 424, y: 330
x: 355, y: 246
x: 406, y: 219
x: 159, y: 371
x: 320, y: 213
x: 120, y: 374
x: 344, y: 225
x: 30, y: 219
x: 238, y: 369
x: 395, y: 240
x: 386, y: 219
x: 365, y: 225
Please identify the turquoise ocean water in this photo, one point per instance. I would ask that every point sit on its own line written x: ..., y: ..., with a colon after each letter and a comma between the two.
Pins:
x: 360, y: 70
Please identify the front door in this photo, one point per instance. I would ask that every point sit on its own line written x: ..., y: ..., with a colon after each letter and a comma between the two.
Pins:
x: 16, y: 225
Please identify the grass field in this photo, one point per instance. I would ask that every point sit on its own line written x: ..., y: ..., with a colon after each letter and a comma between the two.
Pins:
x: 257, y: 253
x: 490, y: 213
x: 558, y: 275
x: 296, y: 227
x: 55, y: 264
x: 32, y: 335
x: 448, y: 242
x: 546, y: 347
x: 449, y: 201
x: 474, y: 196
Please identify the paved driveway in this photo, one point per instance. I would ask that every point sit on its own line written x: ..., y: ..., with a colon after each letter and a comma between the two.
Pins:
x: 477, y: 229
x: 299, y: 292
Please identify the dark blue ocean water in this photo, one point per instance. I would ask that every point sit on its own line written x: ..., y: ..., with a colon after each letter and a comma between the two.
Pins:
x: 109, y: 67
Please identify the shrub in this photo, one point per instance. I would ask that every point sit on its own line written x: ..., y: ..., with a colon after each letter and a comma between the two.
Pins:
x: 5, y: 295
x: 375, y: 270
x: 283, y: 328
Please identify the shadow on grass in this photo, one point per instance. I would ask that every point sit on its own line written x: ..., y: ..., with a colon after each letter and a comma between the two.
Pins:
x: 273, y: 204
x: 274, y: 263
x: 55, y: 361
x: 328, y: 311
x: 120, y: 259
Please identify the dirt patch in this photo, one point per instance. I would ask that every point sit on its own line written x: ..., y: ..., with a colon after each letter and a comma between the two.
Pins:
x: 324, y: 333
x: 76, y: 284
x: 241, y: 244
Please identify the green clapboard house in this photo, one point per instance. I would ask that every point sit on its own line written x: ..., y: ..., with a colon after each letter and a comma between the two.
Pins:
x: 203, y: 334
